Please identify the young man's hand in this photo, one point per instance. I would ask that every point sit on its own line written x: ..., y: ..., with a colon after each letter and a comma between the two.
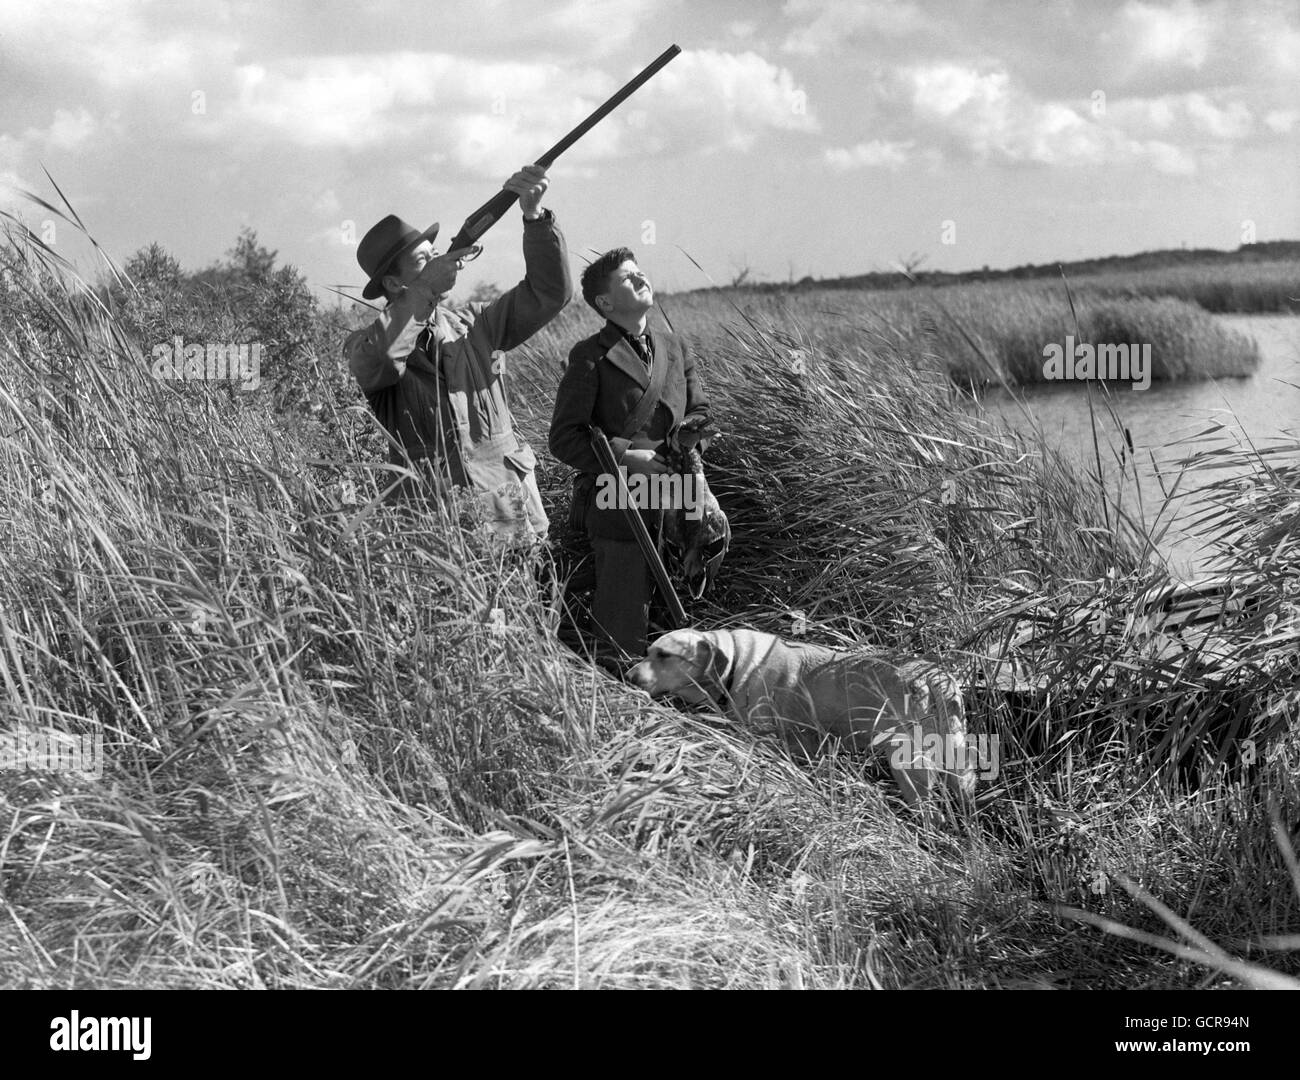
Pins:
x: 642, y: 461
x: 695, y: 430
x: 530, y: 184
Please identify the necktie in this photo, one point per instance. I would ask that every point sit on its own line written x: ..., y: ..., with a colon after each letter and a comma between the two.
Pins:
x: 641, y: 343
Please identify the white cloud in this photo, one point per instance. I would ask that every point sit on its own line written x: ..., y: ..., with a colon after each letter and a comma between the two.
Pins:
x: 1281, y: 120
x: 487, y: 118
x: 13, y: 184
x: 1163, y: 157
x: 1155, y: 114
x: 869, y: 155
x: 1193, y: 116
x: 707, y: 100
x: 484, y: 117
x: 327, y: 204
x: 333, y: 235
x: 943, y: 89
x: 1284, y: 49
x: 69, y: 130
x: 1234, y: 121
x: 112, y: 44
x: 1156, y: 46
x: 1180, y: 33
x: 832, y: 24
x: 11, y: 150
x: 11, y: 187
x: 585, y: 27
x: 988, y: 116
x: 326, y: 101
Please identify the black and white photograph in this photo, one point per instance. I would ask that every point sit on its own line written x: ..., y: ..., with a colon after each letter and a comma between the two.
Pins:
x: 773, y: 495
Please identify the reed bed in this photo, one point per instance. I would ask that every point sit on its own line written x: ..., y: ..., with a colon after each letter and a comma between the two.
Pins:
x: 994, y: 334
x: 344, y: 746
x: 1256, y: 279
x: 1264, y: 287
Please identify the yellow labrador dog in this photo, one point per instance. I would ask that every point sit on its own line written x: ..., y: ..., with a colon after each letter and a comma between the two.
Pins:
x: 911, y: 711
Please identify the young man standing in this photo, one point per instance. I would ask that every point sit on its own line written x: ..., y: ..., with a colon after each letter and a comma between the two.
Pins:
x: 434, y: 377
x: 636, y: 386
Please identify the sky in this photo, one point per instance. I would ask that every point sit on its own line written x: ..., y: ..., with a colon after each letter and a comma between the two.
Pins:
x: 790, y: 137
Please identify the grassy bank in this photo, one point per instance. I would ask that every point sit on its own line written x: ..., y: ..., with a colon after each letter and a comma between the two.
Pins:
x: 345, y: 749
x: 1258, y: 278
x: 986, y: 334
x: 1258, y: 288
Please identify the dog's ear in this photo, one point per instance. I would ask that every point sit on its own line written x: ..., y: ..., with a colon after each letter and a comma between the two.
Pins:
x: 711, y: 662
x: 671, y: 644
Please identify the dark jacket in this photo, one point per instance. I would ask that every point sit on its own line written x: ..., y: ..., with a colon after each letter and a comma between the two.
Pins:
x: 602, y: 384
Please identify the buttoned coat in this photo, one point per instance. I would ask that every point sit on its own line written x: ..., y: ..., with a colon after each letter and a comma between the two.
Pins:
x: 602, y: 385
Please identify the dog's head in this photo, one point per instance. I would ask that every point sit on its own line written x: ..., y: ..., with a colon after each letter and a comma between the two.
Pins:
x: 689, y: 664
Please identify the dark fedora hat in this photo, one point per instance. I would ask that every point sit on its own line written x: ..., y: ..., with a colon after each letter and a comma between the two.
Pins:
x: 383, y: 245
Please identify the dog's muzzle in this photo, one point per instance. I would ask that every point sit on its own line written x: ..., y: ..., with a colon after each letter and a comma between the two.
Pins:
x: 639, y: 675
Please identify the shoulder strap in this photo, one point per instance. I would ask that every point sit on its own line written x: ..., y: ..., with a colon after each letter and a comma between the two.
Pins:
x: 640, y: 416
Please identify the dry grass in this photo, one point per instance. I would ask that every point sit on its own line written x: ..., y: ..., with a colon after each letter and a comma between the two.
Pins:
x: 331, y: 763
x: 1263, y: 287
x: 988, y: 333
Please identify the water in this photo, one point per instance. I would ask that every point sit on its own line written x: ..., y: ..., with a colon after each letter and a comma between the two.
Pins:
x: 1264, y: 409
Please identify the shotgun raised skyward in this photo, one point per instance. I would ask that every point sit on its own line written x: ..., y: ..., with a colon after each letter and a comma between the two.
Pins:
x: 490, y: 212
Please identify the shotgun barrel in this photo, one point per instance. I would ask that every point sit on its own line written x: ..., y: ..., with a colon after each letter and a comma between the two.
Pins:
x: 491, y: 211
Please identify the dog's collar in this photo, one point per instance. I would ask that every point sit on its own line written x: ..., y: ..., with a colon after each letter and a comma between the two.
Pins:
x: 726, y: 683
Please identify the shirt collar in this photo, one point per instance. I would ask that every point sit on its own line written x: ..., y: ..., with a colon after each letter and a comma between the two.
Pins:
x: 628, y: 333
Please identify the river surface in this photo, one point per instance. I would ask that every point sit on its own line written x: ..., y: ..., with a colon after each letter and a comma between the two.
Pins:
x: 1164, y: 421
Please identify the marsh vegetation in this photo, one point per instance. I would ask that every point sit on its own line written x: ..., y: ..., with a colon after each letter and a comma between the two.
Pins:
x: 346, y: 748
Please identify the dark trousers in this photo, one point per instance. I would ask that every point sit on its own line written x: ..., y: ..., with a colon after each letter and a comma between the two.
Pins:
x: 620, y: 610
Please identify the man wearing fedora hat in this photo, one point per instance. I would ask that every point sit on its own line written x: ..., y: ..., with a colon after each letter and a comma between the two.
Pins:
x: 433, y: 376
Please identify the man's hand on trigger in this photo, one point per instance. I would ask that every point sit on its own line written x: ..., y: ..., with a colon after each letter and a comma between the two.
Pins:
x: 530, y: 184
